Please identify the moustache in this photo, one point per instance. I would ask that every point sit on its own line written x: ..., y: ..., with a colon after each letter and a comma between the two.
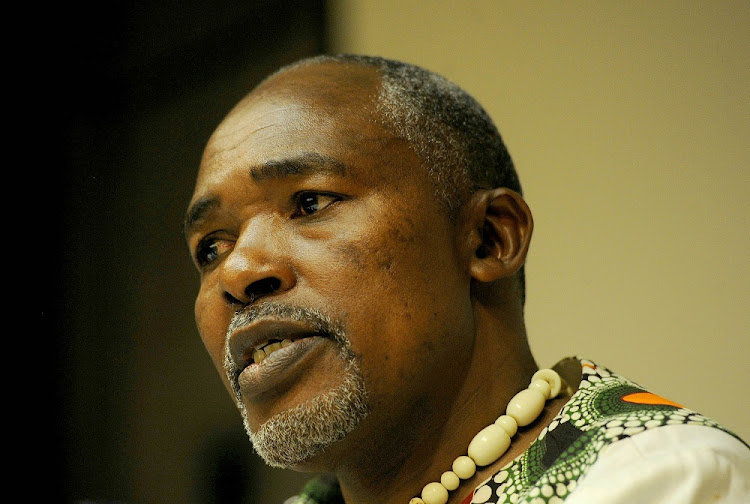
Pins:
x: 316, y: 319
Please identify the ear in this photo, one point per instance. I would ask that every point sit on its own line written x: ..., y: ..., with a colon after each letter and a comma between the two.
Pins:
x: 501, y: 228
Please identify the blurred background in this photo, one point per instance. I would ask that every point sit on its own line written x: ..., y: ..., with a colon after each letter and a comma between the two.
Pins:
x: 628, y: 123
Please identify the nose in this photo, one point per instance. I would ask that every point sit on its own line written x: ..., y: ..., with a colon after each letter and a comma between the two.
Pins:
x: 257, y: 266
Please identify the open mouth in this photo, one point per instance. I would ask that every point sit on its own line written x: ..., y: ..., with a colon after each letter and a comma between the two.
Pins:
x: 266, y: 344
x: 271, y: 347
x: 274, y: 359
x: 260, y: 352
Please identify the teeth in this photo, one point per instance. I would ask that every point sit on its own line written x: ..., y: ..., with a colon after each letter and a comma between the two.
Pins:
x: 272, y: 348
x: 260, y: 354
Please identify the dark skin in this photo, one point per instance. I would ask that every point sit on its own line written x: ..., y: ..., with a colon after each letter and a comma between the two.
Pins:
x: 302, y: 185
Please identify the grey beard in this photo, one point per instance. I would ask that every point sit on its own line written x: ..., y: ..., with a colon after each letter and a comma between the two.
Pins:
x: 294, y: 436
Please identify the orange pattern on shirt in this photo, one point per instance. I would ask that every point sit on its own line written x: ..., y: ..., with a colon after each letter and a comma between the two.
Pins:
x: 649, y: 398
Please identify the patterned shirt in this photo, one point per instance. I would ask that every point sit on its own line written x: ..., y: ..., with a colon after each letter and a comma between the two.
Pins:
x: 612, y: 442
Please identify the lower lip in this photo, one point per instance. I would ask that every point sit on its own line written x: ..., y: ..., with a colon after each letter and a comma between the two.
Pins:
x: 257, y: 379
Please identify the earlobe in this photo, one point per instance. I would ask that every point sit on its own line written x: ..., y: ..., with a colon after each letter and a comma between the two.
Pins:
x: 502, y: 228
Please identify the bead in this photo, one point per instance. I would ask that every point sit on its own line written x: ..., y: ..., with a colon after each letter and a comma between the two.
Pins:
x: 488, y: 445
x: 526, y: 406
x: 450, y: 480
x: 464, y: 467
x: 551, y: 377
x: 542, y: 386
x: 434, y: 493
x: 508, y: 423
x: 492, y: 441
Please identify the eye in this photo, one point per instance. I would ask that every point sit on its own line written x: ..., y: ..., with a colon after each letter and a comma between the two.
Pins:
x: 308, y: 203
x: 210, y: 249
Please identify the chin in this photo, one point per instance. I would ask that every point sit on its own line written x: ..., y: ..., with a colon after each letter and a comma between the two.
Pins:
x: 305, y: 437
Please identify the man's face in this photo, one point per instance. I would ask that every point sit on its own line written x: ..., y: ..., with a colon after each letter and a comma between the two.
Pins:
x: 311, y: 223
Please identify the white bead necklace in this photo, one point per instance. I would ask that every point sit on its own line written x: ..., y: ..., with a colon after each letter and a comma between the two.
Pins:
x: 492, y: 441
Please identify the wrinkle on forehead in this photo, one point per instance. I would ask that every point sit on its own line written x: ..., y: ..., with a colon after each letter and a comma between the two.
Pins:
x: 240, y: 125
x: 319, y: 89
x: 301, y: 98
x: 308, y: 92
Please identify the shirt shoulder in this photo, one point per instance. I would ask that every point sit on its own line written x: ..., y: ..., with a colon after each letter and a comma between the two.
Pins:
x: 671, y: 464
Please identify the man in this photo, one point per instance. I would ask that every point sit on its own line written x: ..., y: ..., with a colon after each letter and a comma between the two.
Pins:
x: 360, y: 235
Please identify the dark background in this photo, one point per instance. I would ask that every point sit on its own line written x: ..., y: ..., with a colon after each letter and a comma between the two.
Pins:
x: 129, y: 95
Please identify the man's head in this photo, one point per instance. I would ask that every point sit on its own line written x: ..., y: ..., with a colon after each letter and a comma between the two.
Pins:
x: 342, y: 210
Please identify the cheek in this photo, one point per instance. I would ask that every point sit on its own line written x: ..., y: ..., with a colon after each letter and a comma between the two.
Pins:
x: 211, y: 327
x: 395, y: 254
x: 385, y: 255
x: 400, y: 284
x: 416, y: 265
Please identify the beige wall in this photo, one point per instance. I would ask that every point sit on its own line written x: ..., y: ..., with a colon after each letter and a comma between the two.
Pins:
x: 628, y: 123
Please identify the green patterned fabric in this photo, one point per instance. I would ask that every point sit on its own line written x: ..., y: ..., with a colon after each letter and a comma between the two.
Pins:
x: 605, y: 409
x: 322, y: 490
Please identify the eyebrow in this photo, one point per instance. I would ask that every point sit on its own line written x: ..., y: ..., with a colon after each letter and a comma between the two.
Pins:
x: 197, y: 212
x: 298, y: 166
x: 304, y: 164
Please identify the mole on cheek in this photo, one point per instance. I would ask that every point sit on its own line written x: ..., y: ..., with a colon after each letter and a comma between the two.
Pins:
x: 350, y: 254
x: 385, y: 263
x: 402, y: 234
x: 395, y: 240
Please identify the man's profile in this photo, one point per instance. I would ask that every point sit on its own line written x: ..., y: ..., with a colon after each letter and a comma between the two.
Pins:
x: 360, y: 233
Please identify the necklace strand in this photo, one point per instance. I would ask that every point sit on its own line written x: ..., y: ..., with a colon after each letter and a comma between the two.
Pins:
x: 492, y: 441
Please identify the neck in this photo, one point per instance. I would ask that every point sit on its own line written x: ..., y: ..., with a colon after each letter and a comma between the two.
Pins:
x: 419, y: 446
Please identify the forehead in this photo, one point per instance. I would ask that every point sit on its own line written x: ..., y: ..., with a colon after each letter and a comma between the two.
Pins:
x: 326, y: 108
